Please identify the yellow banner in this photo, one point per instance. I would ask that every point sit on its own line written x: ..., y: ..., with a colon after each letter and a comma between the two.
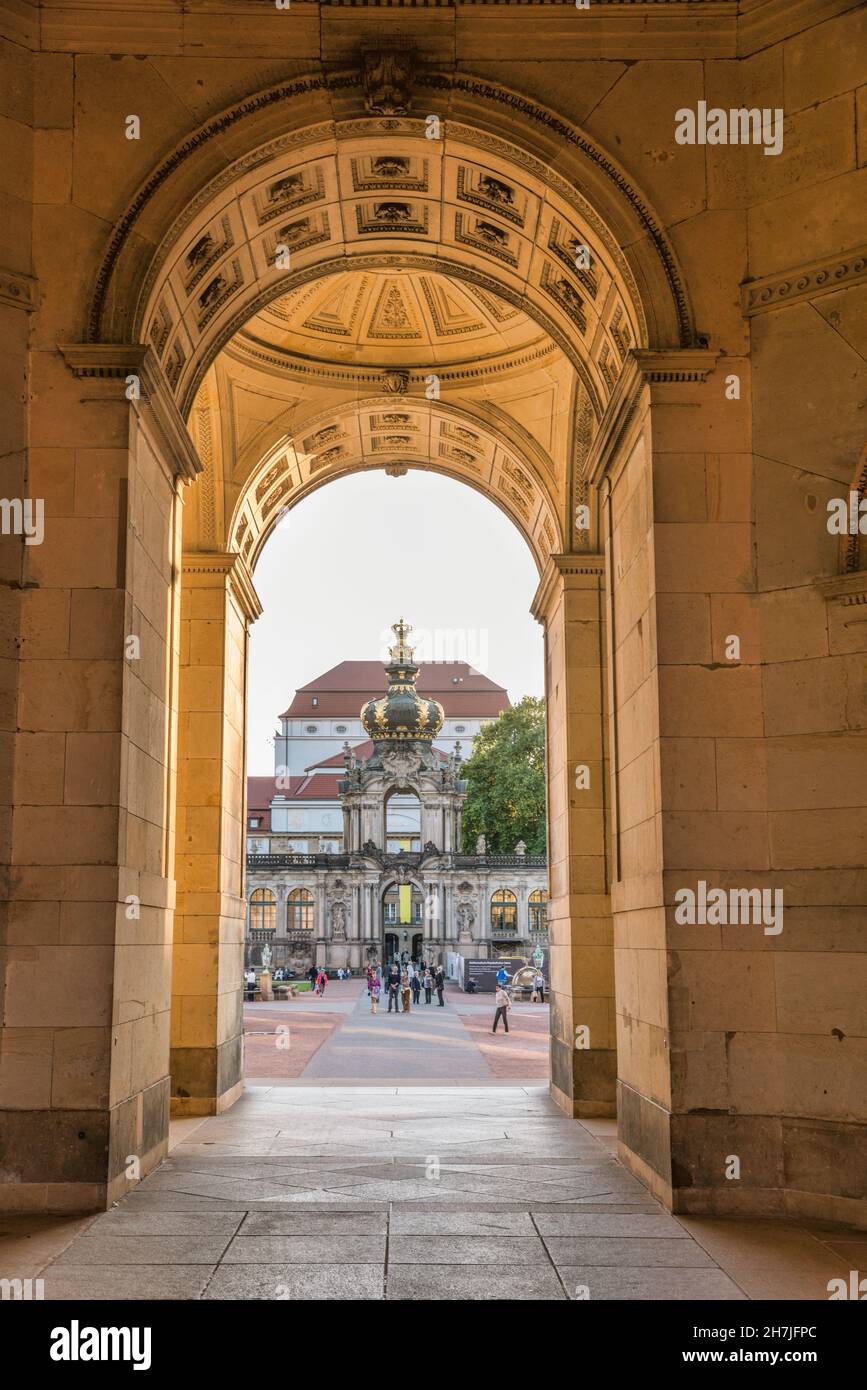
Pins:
x: 405, y: 892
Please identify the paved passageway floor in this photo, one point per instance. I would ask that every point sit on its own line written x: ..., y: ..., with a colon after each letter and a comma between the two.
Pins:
x: 418, y: 1193
x: 447, y: 1181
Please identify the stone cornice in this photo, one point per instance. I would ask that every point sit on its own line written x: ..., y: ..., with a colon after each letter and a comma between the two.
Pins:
x: 674, y: 364
x: 762, y: 23
x: 244, y: 348
x: 116, y: 362
x: 849, y: 589
x: 644, y: 367
x: 19, y: 291
x: 233, y: 569
x: 805, y: 282
x: 582, y: 571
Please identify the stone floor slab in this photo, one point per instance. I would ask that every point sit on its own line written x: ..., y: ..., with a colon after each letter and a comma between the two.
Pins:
x: 306, y: 1249
x: 633, y: 1252
x: 343, y: 1283
x: 422, y: 1283
x: 461, y: 1249
x: 131, y: 1221
x: 107, y: 1282
x: 460, y: 1223
x: 143, y: 1250
x: 643, y: 1284
x: 313, y: 1222
x: 609, y: 1224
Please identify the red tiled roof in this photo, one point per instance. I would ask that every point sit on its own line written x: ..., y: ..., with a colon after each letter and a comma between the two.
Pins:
x: 361, y: 750
x: 312, y: 787
x: 261, y: 790
x: 344, y: 689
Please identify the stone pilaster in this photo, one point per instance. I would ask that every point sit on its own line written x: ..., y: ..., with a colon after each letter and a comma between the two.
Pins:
x: 218, y: 604
x: 570, y: 604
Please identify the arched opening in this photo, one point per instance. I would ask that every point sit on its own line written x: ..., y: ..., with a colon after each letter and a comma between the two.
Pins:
x: 479, y: 329
x: 486, y: 319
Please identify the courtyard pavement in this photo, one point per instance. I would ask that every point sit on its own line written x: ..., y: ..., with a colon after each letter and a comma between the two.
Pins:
x: 336, y: 1038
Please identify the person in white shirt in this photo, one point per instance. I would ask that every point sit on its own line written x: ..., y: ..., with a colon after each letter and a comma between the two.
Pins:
x: 503, y: 1003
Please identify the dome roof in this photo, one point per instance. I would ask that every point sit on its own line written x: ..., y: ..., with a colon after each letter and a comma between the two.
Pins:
x: 402, y: 713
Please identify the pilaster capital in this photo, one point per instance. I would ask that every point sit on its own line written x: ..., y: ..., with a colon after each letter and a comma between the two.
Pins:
x: 209, y: 568
x: 583, y: 570
x: 116, y: 362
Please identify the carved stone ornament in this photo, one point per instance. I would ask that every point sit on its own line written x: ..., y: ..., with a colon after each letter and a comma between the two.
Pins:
x: 401, y: 762
x: 394, y: 383
x: 388, y: 83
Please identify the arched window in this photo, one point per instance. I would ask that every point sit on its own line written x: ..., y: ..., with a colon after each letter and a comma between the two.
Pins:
x: 300, y: 910
x: 504, y: 913
x: 263, y: 914
x: 538, y: 904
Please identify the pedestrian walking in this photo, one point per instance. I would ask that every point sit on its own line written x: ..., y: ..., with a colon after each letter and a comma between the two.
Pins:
x: 375, y: 991
x: 405, y: 990
x: 415, y: 984
x: 503, y: 1003
x: 440, y: 981
x: 539, y: 987
x: 321, y: 982
x: 393, y: 986
x: 428, y: 986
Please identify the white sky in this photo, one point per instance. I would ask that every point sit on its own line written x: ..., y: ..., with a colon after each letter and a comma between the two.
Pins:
x: 361, y: 552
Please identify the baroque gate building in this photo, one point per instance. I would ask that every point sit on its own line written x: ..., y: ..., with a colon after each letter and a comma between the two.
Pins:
x: 368, y: 903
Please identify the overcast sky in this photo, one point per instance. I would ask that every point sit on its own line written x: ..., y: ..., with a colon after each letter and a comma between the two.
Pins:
x: 367, y: 549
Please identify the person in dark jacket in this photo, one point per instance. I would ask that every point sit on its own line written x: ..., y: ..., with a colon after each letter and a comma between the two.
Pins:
x: 440, y: 982
x: 393, y: 986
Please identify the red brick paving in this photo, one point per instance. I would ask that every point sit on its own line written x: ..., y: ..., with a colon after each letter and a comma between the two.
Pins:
x: 266, y: 1057
x: 523, y: 1052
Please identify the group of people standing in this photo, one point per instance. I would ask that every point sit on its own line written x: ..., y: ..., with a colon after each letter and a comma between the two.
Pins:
x: 403, y: 985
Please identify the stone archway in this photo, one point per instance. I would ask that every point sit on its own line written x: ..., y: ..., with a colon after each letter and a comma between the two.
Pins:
x: 190, y: 265
x: 224, y: 322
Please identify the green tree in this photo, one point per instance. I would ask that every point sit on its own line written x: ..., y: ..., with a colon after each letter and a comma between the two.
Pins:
x: 506, y: 774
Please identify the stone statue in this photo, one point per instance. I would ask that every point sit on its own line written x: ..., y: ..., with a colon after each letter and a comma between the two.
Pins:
x: 266, y: 957
x: 353, y: 766
x: 338, y: 920
x: 520, y: 847
x: 481, y: 846
x: 466, y: 917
